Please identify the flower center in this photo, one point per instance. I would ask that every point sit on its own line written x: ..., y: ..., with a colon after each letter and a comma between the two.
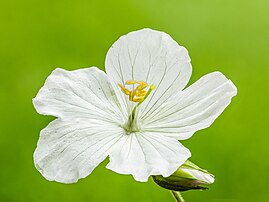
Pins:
x: 137, y: 91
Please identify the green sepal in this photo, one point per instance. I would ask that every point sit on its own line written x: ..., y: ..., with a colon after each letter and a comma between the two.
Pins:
x: 181, y: 180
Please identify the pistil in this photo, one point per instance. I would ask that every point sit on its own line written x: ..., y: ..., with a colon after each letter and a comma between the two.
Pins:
x: 137, y: 94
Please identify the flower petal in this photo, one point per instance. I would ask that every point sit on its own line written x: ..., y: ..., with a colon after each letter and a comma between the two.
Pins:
x: 68, y: 151
x: 145, y: 154
x: 200, y: 175
x: 194, y: 108
x: 83, y: 93
x: 151, y: 56
x: 89, y: 114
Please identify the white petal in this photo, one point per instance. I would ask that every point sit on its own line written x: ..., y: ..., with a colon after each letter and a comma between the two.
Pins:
x: 69, y: 151
x: 83, y: 93
x: 145, y: 154
x: 194, y: 108
x: 151, y: 56
x: 199, y: 175
x: 88, y: 125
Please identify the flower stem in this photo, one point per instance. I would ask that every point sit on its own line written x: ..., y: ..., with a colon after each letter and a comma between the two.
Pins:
x: 178, y: 196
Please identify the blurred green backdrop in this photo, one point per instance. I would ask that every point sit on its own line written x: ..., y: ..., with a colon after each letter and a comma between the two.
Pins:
x: 231, y: 36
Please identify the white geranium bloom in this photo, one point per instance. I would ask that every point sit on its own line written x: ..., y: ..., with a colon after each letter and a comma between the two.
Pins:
x: 135, y: 114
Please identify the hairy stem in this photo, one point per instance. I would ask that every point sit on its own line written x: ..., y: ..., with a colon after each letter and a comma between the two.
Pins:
x: 178, y: 196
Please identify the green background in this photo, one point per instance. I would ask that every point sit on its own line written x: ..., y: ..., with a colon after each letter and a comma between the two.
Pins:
x: 231, y: 36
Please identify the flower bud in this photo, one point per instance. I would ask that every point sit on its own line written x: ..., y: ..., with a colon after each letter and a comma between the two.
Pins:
x: 187, y: 176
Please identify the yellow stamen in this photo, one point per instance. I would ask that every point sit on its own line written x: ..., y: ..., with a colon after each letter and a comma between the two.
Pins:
x: 142, y: 85
x: 138, y: 99
x: 132, y: 95
x: 130, y: 82
x: 139, y: 92
x: 124, y: 90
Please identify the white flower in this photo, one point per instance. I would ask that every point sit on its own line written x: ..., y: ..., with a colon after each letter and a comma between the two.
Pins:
x: 135, y: 114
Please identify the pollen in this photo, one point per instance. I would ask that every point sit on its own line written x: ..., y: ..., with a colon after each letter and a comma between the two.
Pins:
x: 137, y: 91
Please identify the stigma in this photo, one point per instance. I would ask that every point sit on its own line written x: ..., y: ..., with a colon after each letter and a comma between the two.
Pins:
x: 137, y: 91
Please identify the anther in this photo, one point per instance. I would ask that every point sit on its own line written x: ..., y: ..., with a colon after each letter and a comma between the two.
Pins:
x: 139, y: 92
x: 142, y: 85
x: 138, y: 99
x: 124, y: 90
x: 130, y: 82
